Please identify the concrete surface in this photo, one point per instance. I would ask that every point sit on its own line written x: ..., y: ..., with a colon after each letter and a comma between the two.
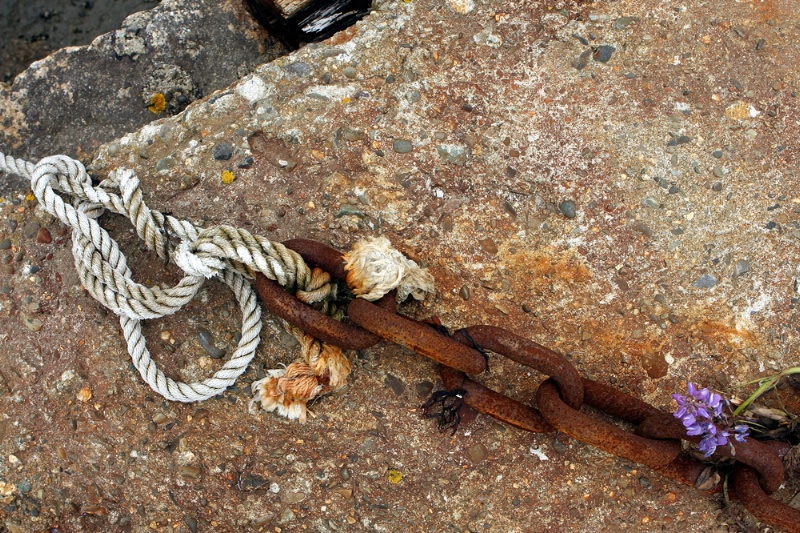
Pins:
x: 635, y: 209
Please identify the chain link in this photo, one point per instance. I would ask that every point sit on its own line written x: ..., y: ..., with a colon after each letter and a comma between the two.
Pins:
x: 656, y: 442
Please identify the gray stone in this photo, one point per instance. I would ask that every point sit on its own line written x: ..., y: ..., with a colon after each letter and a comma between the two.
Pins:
x: 299, y: 68
x: 222, y: 151
x: 678, y: 140
x: 396, y: 384
x: 402, y: 146
x: 567, y: 208
x: 622, y: 23
x: 603, y: 53
x: 706, y: 281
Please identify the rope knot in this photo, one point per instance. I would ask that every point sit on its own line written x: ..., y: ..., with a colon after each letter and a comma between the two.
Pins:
x: 188, y: 260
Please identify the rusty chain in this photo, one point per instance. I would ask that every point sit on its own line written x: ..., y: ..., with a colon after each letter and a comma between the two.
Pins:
x: 656, y: 441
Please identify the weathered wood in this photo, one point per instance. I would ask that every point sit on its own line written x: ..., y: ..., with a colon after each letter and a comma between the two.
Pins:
x: 302, y: 21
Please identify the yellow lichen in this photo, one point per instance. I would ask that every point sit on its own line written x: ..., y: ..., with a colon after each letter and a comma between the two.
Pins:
x: 395, y: 476
x: 158, y: 103
x: 227, y: 177
x: 30, y: 197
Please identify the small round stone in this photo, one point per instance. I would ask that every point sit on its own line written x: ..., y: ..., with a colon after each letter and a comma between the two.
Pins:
x: 477, y: 453
x: 567, y: 208
x: 349, y: 72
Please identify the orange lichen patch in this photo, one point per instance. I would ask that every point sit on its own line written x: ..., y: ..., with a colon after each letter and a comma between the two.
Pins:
x: 158, y: 103
x: 738, y: 111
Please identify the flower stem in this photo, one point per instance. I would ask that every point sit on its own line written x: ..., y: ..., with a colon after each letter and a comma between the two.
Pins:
x: 766, y: 384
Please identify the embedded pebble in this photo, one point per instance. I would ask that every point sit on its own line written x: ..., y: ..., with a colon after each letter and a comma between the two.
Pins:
x: 84, y: 395
x: 292, y: 497
x: 424, y: 389
x: 286, y: 516
x: 369, y: 446
x: 24, y: 487
x: 622, y: 23
x: 345, y: 493
x: 349, y: 72
x: 402, y: 146
x: 742, y: 266
x: 477, y: 453
x: 678, y: 140
x: 33, y: 324
x: 559, y: 447
x: 299, y: 69
x: 189, y: 471
x: 350, y: 134
x: 567, y: 208
x: 719, y: 172
x: 603, y: 53
x: 453, y: 154
x: 488, y: 245
x: 31, y: 229
x: 5, y: 244
x: 706, y: 281
x: 462, y: 7
x: 649, y: 201
x: 397, y: 385
x: 247, y: 162
x: 222, y: 151
x: 43, y: 236
x: 165, y: 163
x: 464, y: 292
x: 206, y: 340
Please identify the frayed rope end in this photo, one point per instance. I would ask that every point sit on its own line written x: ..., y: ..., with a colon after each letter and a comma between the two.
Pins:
x: 374, y: 268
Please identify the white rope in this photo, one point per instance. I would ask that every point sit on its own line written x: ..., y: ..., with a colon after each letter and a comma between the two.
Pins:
x: 373, y: 269
x: 221, y: 251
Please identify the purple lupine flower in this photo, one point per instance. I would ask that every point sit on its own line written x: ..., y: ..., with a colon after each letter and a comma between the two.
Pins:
x: 702, y: 413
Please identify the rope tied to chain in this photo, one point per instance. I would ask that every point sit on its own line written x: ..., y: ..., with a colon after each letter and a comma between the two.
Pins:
x: 229, y: 253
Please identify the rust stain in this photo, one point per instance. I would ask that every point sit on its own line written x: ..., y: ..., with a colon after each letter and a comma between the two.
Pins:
x: 766, y: 9
x: 564, y: 266
x: 716, y: 330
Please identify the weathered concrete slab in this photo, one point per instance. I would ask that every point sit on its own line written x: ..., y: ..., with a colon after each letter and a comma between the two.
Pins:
x: 635, y: 208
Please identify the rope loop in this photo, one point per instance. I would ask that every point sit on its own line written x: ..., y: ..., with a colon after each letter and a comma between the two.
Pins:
x: 221, y: 251
x: 229, y: 253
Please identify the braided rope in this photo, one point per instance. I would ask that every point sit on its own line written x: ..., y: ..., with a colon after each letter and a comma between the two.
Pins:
x: 221, y: 251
